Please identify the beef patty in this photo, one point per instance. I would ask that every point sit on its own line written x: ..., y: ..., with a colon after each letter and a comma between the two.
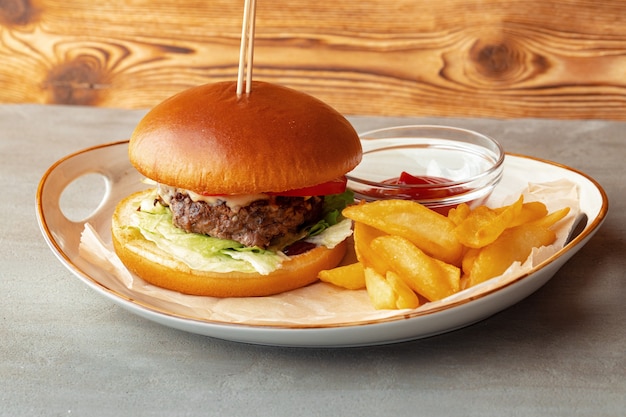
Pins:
x: 256, y: 224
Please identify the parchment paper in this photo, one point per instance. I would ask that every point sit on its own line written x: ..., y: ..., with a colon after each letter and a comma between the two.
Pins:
x: 319, y: 304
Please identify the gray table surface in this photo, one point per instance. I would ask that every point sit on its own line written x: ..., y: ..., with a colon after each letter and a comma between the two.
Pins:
x: 65, y: 350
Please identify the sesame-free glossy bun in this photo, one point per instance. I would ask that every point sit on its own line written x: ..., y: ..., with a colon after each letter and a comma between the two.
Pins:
x: 207, y: 139
x: 159, y: 268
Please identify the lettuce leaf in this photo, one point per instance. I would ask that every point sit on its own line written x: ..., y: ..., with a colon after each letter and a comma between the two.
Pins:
x: 333, y: 235
x: 333, y: 206
x: 201, y: 252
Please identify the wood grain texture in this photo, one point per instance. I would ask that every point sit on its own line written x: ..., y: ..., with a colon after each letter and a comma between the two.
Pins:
x: 503, y: 59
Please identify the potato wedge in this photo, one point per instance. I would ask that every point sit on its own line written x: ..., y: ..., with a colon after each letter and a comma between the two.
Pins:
x: 483, y: 225
x: 363, y: 236
x: 389, y: 291
x: 514, y: 245
x: 531, y: 211
x: 552, y: 218
x: 427, y: 276
x: 459, y: 213
x: 405, y: 297
x: 432, y: 232
x: 349, y: 276
x: 468, y: 260
x: 380, y: 292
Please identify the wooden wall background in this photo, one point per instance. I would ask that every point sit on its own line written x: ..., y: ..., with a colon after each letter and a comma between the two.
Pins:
x: 509, y: 58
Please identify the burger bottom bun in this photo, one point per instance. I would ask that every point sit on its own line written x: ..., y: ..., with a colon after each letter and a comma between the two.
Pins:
x: 154, y: 265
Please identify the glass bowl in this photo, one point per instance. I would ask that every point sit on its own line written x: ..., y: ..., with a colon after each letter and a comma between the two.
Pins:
x: 438, y: 166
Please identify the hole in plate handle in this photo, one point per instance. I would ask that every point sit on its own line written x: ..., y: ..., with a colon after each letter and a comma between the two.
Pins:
x: 83, y: 196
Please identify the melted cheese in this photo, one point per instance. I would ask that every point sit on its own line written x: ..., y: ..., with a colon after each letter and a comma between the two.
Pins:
x: 233, y: 201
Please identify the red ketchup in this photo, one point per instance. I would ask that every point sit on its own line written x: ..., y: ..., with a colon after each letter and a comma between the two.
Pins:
x: 417, y: 193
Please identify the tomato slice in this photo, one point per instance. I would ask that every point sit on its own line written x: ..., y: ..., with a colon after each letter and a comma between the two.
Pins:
x: 336, y: 186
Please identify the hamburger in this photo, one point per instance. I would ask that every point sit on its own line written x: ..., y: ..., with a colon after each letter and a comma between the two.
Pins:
x: 246, y: 191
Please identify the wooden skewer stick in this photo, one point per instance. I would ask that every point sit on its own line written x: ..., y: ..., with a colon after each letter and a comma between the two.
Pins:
x: 252, y: 27
x: 246, y: 51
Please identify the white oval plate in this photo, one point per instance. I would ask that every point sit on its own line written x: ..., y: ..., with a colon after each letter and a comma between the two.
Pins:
x: 110, y: 161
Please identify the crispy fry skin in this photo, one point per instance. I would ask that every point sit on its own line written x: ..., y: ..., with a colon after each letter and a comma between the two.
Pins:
x: 427, y: 276
x: 483, y: 225
x: 346, y: 276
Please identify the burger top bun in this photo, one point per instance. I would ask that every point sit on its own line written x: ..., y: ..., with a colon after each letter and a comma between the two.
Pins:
x: 207, y: 139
